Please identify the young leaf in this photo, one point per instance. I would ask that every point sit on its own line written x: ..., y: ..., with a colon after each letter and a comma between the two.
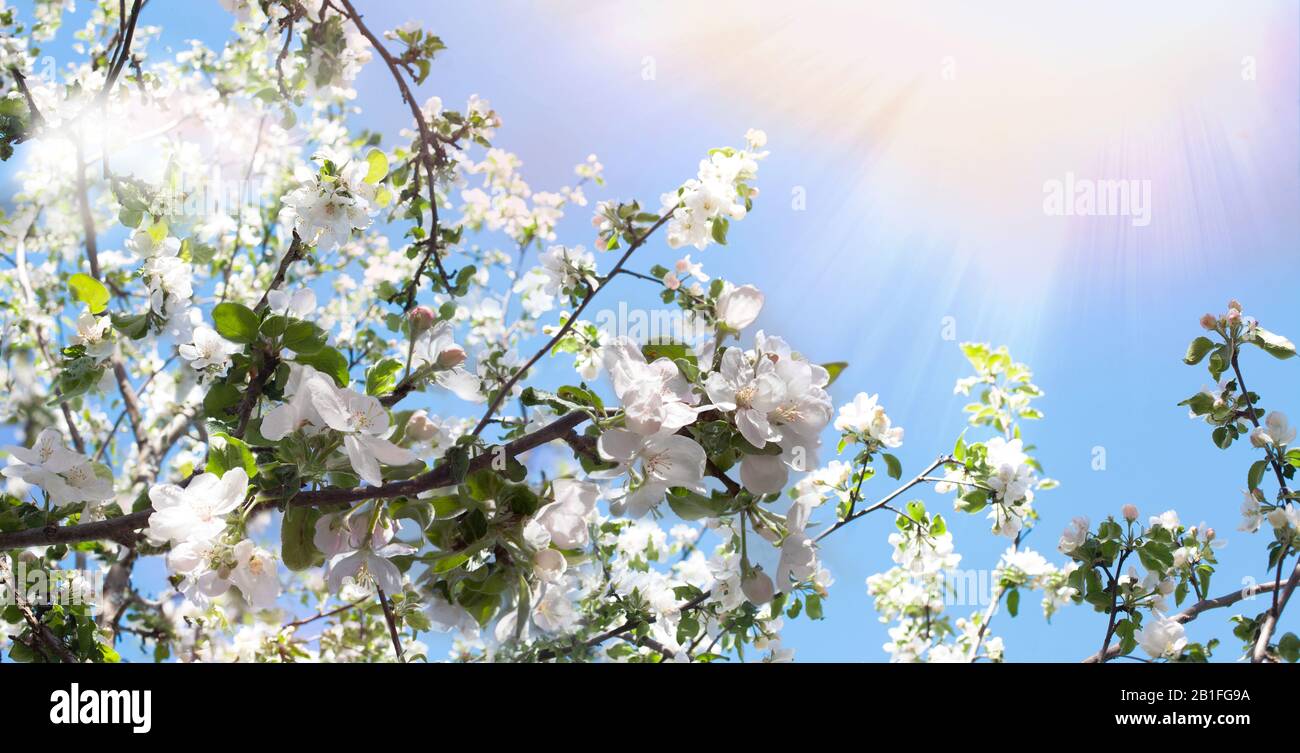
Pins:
x: 226, y: 452
x: 327, y: 361
x: 893, y: 466
x: 235, y: 322
x: 1274, y: 344
x: 378, y: 166
x: 382, y: 377
x: 1197, y: 350
x: 89, y: 291
x: 297, y: 533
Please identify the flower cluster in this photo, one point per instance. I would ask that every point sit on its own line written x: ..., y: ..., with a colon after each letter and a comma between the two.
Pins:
x: 703, y: 207
x: 66, y: 476
x: 208, y: 553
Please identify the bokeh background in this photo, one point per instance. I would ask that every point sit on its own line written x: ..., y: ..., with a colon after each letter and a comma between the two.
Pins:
x: 919, y: 137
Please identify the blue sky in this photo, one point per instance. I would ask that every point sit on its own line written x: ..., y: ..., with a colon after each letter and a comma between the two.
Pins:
x: 922, y: 139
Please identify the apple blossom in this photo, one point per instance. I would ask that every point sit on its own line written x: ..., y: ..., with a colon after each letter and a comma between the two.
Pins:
x: 209, y: 352
x: 197, y: 511
x: 1161, y: 637
x: 738, y: 307
x: 65, y: 475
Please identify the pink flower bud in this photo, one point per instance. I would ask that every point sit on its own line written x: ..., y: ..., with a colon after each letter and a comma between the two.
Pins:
x: 1234, y: 305
x: 421, y: 318
x: 420, y: 428
x: 1209, y: 534
x: 452, y: 357
x: 1233, y: 316
x: 671, y: 282
x: 1209, y: 322
x: 1130, y: 513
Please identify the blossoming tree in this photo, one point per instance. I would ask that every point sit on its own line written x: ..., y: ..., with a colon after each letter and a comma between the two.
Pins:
x: 230, y: 384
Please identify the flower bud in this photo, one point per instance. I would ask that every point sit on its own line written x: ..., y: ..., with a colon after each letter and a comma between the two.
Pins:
x: 1260, y: 438
x: 1234, y: 305
x: 549, y: 564
x: 1130, y: 512
x: 757, y: 587
x: 1232, y: 317
x: 1209, y: 534
x: 452, y: 357
x: 1209, y: 322
x: 421, y: 318
x: 420, y: 428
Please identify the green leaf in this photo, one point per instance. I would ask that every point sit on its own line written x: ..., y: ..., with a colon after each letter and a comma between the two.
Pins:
x: 226, y: 452
x: 297, y: 534
x: 378, y: 162
x: 304, y: 337
x: 892, y: 466
x: 1219, y: 362
x: 449, y: 562
x: 1274, y: 344
x: 89, y: 291
x: 235, y: 322
x: 834, y: 369
x: 382, y: 377
x: 973, y: 501
x: 1289, y: 648
x: 689, y: 505
x: 1013, y: 602
x: 671, y: 351
x: 1156, y: 556
x: 1256, y: 474
x: 720, y: 227
x: 1197, y: 350
x: 134, y: 327
x: 327, y: 361
x: 220, y: 399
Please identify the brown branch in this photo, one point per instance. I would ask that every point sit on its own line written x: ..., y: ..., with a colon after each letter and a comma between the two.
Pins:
x: 43, y: 632
x: 1260, y: 652
x: 392, y: 622
x: 568, y: 325
x: 37, y: 118
x: 918, y: 479
x: 427, y: 141
x: 83, y: 209
x: 1194, y: 611
x: 131, y: 403
x: 440, y: 476
x: 322, y: 615
x: 122, y: 53
x: 292, y: 255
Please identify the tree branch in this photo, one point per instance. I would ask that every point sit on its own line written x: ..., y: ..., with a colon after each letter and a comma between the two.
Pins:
x: 392, y: 622
x: 568, y: 325
x: 427, y: 141
x: 1194, y: 611
x: 696, y: 602
x: 440, y: 476
x: 1260, y: 653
